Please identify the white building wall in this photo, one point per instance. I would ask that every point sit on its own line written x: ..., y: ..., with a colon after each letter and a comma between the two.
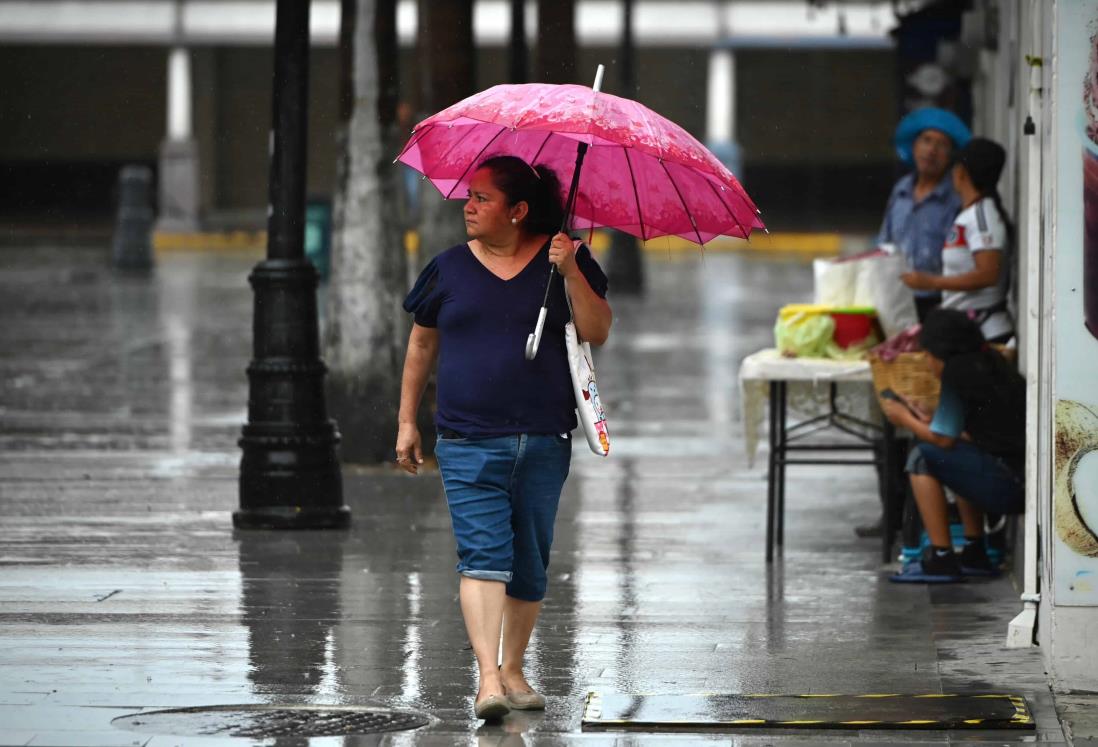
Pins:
x: 1037, y: 71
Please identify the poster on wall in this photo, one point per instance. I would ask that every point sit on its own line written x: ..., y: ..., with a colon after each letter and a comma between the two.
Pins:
x: 1075, y: 387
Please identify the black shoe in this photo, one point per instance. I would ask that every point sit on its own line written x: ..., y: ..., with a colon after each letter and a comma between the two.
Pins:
x: 940, y: 564
x: 930, y: 568
x: 974, y: 560
x: 870, y: 530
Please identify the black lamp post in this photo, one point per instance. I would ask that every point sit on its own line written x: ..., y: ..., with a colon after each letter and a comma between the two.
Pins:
x: 289, y: 473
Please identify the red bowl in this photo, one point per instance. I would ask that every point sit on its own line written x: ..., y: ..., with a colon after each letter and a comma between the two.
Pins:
x: 851, y: 328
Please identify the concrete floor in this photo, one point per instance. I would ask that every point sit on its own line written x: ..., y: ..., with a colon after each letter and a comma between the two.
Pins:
x: 124, y: 588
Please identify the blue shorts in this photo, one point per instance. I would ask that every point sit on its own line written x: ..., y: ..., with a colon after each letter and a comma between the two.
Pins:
x: 973, y: 474
x: 503, y: 495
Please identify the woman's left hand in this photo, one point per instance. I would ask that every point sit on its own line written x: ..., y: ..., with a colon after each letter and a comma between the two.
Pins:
x: 919, y: 280
x: 562, y: 253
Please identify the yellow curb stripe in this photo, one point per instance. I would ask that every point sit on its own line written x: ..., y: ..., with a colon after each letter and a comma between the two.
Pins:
x: 210, y: 241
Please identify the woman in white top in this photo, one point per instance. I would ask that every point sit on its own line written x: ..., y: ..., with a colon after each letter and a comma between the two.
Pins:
x: 975, y: 271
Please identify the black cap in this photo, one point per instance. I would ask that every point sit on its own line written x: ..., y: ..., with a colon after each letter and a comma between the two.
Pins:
x: 983, y: 159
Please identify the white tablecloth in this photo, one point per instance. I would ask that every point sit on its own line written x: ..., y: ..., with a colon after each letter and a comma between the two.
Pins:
x: 808, y: 385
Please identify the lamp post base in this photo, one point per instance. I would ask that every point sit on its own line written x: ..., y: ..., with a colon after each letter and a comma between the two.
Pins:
x: 293, y: 517
x: 290, y: 476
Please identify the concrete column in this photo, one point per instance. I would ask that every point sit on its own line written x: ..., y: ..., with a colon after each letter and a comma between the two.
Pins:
x: 720, y: 111
x: 720, y: 108
x: 179, y: 194
x: 179, y: 94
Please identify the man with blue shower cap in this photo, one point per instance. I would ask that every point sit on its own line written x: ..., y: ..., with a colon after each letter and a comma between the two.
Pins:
x: 922, y: 206
x: 923, y: 203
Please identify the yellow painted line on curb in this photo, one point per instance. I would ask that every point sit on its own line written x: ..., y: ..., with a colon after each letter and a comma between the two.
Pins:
x: 817, y: 244
x: 824, y: 244
x: 210, y: 241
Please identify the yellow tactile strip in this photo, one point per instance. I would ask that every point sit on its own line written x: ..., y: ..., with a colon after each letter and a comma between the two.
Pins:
x: 813, y: 711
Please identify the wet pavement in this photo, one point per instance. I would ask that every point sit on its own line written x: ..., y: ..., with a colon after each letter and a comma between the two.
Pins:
x: 124, y: 589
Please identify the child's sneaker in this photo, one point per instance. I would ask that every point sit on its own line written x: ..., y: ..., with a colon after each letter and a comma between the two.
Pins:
x: 935, y: 566
x: 974, y: 560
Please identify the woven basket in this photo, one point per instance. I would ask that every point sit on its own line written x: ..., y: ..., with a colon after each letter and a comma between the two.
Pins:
x: 909, y: 375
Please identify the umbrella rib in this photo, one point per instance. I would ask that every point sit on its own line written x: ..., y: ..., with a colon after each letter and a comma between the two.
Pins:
x: 414, y: 140
x: 684, y: 207
x: 534, y: 160
x: 442, y: 158
x: 474, y: 160
x: 746, y: 232
x: 636, y: 196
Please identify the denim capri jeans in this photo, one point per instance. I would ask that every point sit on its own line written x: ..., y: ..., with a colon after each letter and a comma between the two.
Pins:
x: 972, y: 473
x: 503, y: 495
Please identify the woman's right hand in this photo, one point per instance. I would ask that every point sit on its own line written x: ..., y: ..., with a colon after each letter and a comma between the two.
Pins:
x: 409, y: 448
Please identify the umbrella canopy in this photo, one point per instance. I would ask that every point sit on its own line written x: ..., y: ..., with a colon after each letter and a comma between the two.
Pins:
x: 643, y: 174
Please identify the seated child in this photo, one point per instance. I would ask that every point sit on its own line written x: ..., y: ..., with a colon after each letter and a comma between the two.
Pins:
x: 974, y: 445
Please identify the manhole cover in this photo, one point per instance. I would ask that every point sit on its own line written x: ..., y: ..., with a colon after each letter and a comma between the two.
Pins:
x: 271, y: 721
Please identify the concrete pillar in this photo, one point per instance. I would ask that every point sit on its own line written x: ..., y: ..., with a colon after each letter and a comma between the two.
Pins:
x: 179, y: 194
x: 720, y: 108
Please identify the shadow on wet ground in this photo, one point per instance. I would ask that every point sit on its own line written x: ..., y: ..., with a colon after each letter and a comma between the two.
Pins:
x: 124, y: 588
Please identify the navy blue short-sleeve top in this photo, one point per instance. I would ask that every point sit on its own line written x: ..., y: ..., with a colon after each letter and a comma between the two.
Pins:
x: 486, y: 387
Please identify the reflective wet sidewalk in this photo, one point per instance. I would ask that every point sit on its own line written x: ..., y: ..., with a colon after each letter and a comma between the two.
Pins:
x: 124, y: 589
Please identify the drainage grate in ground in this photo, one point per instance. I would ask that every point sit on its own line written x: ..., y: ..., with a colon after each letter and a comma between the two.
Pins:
x: 271, y: 721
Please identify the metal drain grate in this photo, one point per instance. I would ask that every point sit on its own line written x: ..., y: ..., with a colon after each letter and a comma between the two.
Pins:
x: 269, y: 721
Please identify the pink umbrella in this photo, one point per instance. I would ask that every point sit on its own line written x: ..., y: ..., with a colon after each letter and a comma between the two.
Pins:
x: 643, y: 174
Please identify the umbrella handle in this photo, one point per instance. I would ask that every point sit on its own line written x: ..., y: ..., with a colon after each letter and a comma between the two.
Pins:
x: 533, y: 340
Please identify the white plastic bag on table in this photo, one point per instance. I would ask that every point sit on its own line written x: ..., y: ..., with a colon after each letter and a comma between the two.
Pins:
x: 835, y: 282
x: 879, y: 285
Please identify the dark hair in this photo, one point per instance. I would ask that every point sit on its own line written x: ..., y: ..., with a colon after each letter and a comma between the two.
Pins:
x: 984, y: 159
x: 537, y: 186
x: 947, y: 333
x: 978, y: 373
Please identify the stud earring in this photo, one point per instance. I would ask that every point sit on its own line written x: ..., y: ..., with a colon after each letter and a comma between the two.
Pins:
x: 514, y: 221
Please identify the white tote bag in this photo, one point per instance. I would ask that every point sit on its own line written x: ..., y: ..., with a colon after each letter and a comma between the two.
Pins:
x: 581, y: 365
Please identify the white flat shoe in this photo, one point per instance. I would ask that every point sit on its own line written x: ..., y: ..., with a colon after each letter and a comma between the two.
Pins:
x: 492, y: 708
x: 531, y: 701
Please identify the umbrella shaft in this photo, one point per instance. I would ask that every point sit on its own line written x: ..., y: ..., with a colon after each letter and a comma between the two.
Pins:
x: 570, y: 203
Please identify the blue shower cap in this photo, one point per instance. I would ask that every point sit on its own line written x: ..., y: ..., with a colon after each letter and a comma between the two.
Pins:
x: 929, y: 118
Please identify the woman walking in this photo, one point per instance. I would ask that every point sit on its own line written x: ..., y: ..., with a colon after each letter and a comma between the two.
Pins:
x: 504, y: 422
x: 975, y: 275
